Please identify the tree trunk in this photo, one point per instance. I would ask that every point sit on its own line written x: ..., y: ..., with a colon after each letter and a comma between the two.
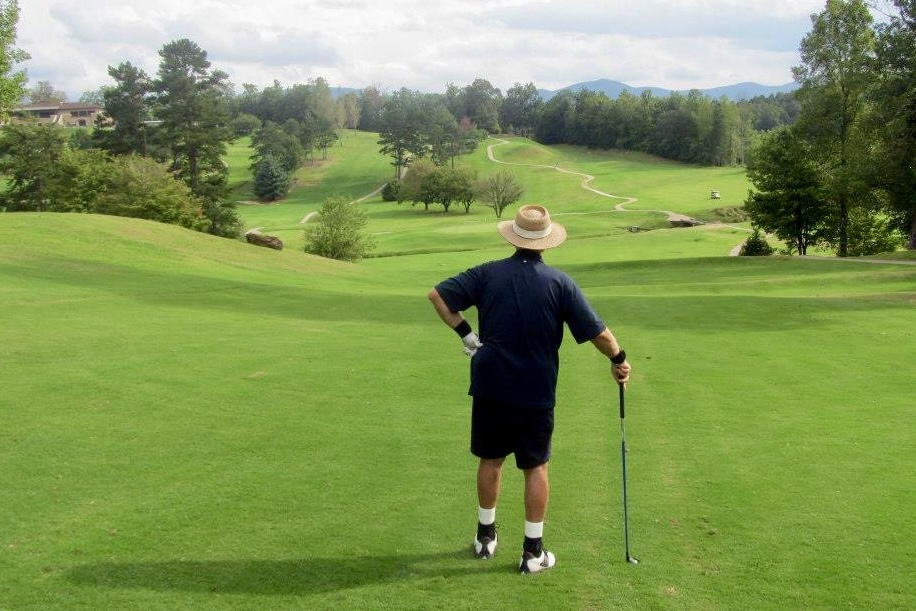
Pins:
x: 193, y: 172
x: 913, y: 233
x: 843, y: 250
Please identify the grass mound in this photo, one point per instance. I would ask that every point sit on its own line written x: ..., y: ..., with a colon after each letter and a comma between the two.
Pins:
x: 192, y: 422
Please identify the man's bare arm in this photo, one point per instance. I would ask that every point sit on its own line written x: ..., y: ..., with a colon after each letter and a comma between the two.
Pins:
x: 452, y: 319
x: 457, y: 322
x: 607, y: 345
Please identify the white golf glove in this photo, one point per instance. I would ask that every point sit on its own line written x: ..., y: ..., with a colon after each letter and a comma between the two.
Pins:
x: 471, y: 343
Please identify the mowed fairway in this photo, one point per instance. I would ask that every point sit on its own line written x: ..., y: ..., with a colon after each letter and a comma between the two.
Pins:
x: 196, y: 423
x: 353, y: 168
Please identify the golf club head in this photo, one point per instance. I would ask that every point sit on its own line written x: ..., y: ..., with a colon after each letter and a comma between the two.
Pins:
x: 632, y: 559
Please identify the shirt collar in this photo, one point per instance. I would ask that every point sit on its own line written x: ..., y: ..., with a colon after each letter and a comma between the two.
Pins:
x: 529, y: 255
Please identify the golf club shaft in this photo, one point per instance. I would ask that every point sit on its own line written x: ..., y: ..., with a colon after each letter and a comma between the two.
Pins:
x: 622, y: 409
x: 623, y: 462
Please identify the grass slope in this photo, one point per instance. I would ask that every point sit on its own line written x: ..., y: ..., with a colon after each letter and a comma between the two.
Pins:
x: 352, y: 169
x: 196, y: 423
x: 550, y: 175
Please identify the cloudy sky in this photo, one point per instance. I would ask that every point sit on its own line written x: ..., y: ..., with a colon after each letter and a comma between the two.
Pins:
x: 425, y: 44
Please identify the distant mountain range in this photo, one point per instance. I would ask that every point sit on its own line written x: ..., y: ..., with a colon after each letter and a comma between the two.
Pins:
x: 613, y: 89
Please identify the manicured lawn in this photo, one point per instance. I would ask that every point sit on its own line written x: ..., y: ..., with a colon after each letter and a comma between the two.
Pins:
x: 352, y: 169
x: 404, y: 228
x: 238, y: 159
x: 196, y: 423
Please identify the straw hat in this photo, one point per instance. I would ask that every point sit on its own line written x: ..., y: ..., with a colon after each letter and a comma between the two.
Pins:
x: 532, y: 229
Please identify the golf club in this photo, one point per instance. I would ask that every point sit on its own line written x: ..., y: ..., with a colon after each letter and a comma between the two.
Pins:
x: 623, y: 460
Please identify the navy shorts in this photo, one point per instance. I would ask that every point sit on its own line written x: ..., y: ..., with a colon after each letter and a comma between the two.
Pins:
x: 498, y: 429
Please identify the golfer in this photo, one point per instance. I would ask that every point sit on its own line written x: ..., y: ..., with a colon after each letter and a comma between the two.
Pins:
x: 522, y: 304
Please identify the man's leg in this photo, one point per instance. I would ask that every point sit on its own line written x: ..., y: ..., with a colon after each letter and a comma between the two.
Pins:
x: 489, y: 475
x: 537, y: 490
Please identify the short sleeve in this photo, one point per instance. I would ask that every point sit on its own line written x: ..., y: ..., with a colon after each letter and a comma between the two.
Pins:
x: 584, y: 323
x: 461, y: 292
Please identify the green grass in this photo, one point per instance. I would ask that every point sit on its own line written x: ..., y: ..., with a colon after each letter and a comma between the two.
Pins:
x: 353, y: 169
x: 400, y: 229
x: 238, y: 158
x: 657, y: 184
x: 196, y: 423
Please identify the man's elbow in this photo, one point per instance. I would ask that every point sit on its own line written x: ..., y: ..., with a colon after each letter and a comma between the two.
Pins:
x: 433, y: 295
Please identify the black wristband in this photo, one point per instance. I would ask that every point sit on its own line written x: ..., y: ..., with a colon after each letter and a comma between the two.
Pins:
x: 463, y: 328
x: 619, y: 358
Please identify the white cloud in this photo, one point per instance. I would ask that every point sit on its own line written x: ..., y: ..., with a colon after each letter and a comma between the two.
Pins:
x: 424, y: 44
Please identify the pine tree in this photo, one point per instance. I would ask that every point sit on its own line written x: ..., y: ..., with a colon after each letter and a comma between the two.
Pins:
x: 192, y: 103
x: 271, y: 179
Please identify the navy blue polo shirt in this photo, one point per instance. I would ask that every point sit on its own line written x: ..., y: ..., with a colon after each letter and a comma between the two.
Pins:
x: 522, y: 305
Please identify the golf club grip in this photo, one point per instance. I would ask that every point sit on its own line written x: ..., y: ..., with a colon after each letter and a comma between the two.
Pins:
x: 621, y: 401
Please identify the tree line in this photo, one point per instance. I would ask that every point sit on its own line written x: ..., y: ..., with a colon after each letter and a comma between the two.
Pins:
x: 843, y: 174
x: 413, y: 125
x: 687, y: 127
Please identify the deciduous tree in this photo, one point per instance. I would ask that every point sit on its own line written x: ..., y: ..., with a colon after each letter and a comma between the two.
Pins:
x: 244, y: 124
x: 371, y: 103
x: 482, y: 102
x: 789, y: 201
x: 446, y: 186
x: 348, y: 111
x: 835, y: 75
x: 519, y: 111
x: 439, y: 130
x: 44, y: 91
x: 400, y: 133
x: 894, y: 99
x: 12, y: 80
x: 556, y: 118
x: 94, y: 96
x: 337, y: 233
x: 413, y: 185
x: 87, y: 175
x: 499, y: 191
x: 141, y: 187
x: 465, y: 181
x: 32, y: 157
x: 283, y: 147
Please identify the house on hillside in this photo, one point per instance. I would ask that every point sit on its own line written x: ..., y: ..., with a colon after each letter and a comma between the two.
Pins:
x: 65, y: 114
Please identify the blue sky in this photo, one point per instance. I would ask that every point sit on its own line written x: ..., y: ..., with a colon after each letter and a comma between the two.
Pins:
x: 425, y: 44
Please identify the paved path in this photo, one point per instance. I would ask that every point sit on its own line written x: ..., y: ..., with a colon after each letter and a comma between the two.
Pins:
x: 308, y: 217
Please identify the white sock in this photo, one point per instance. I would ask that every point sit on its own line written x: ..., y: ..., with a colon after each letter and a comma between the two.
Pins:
x: 534, y: 530
x: 486, y: 516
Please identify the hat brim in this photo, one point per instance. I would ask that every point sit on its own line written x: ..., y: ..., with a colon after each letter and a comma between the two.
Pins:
x: 556, y: 237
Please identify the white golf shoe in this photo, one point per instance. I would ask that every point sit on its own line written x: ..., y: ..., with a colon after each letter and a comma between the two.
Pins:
x: 485, y: 547
x: 535, y: 564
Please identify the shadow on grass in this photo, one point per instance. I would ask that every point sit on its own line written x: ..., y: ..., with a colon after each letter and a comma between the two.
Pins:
x: 311, y: 575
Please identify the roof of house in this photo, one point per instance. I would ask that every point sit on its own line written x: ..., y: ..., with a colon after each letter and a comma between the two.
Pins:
x: 60, y: 106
